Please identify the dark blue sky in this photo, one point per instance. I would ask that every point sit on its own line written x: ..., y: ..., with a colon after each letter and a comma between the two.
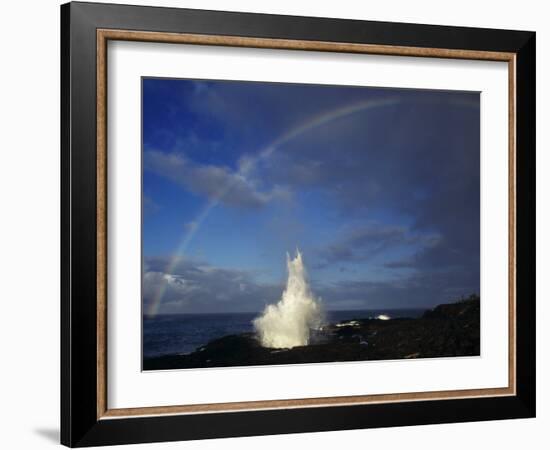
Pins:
x: 379, y: 188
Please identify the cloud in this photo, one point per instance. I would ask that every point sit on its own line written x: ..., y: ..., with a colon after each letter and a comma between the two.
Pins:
x: 218, y: 183
x: 402, y: 264
x: 196, y: 287
x: 420, y: 289
x: 366, y: 242
x: 191, y: 226
x: 408, y: 173
x: 362, y: 244
x: 417, y: 165
x: 178, y: 290
x: 149, y: 205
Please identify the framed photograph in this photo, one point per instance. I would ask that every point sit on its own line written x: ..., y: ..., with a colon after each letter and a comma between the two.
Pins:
x: 276, y: 224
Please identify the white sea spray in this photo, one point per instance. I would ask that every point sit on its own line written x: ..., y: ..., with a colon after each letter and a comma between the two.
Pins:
x: 288, y: 323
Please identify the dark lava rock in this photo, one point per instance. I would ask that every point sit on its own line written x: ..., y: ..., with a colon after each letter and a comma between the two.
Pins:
x: 447, y: 330
x: 467, y: 309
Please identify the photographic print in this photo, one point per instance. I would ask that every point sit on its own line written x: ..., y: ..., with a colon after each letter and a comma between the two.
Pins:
x: 316, y: 201
x: 292, y: 223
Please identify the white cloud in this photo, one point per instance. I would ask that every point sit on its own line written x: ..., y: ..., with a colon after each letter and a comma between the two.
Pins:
x: 215, y: 182
x: 198, y: 287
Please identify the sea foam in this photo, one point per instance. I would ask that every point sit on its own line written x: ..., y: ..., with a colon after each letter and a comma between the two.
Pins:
x: 287, y: 323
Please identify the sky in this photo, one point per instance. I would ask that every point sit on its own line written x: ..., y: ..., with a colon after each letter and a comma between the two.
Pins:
x: 379, y: 188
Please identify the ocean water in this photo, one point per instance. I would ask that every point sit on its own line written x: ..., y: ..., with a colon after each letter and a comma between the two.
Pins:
x: 184, y: 333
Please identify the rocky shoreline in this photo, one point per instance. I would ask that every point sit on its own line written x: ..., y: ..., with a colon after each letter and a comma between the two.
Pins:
x: 445, y: 331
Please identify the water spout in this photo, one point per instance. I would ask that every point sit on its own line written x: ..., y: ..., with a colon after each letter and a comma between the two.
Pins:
x: 288, y: 323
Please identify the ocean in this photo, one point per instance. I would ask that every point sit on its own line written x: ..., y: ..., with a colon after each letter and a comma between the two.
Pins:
x: 184, y: 333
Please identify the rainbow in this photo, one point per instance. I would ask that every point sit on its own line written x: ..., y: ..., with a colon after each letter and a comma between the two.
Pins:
x: 246, y: 167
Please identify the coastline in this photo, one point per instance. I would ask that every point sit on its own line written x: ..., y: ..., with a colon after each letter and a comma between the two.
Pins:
x: 448, y: 330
